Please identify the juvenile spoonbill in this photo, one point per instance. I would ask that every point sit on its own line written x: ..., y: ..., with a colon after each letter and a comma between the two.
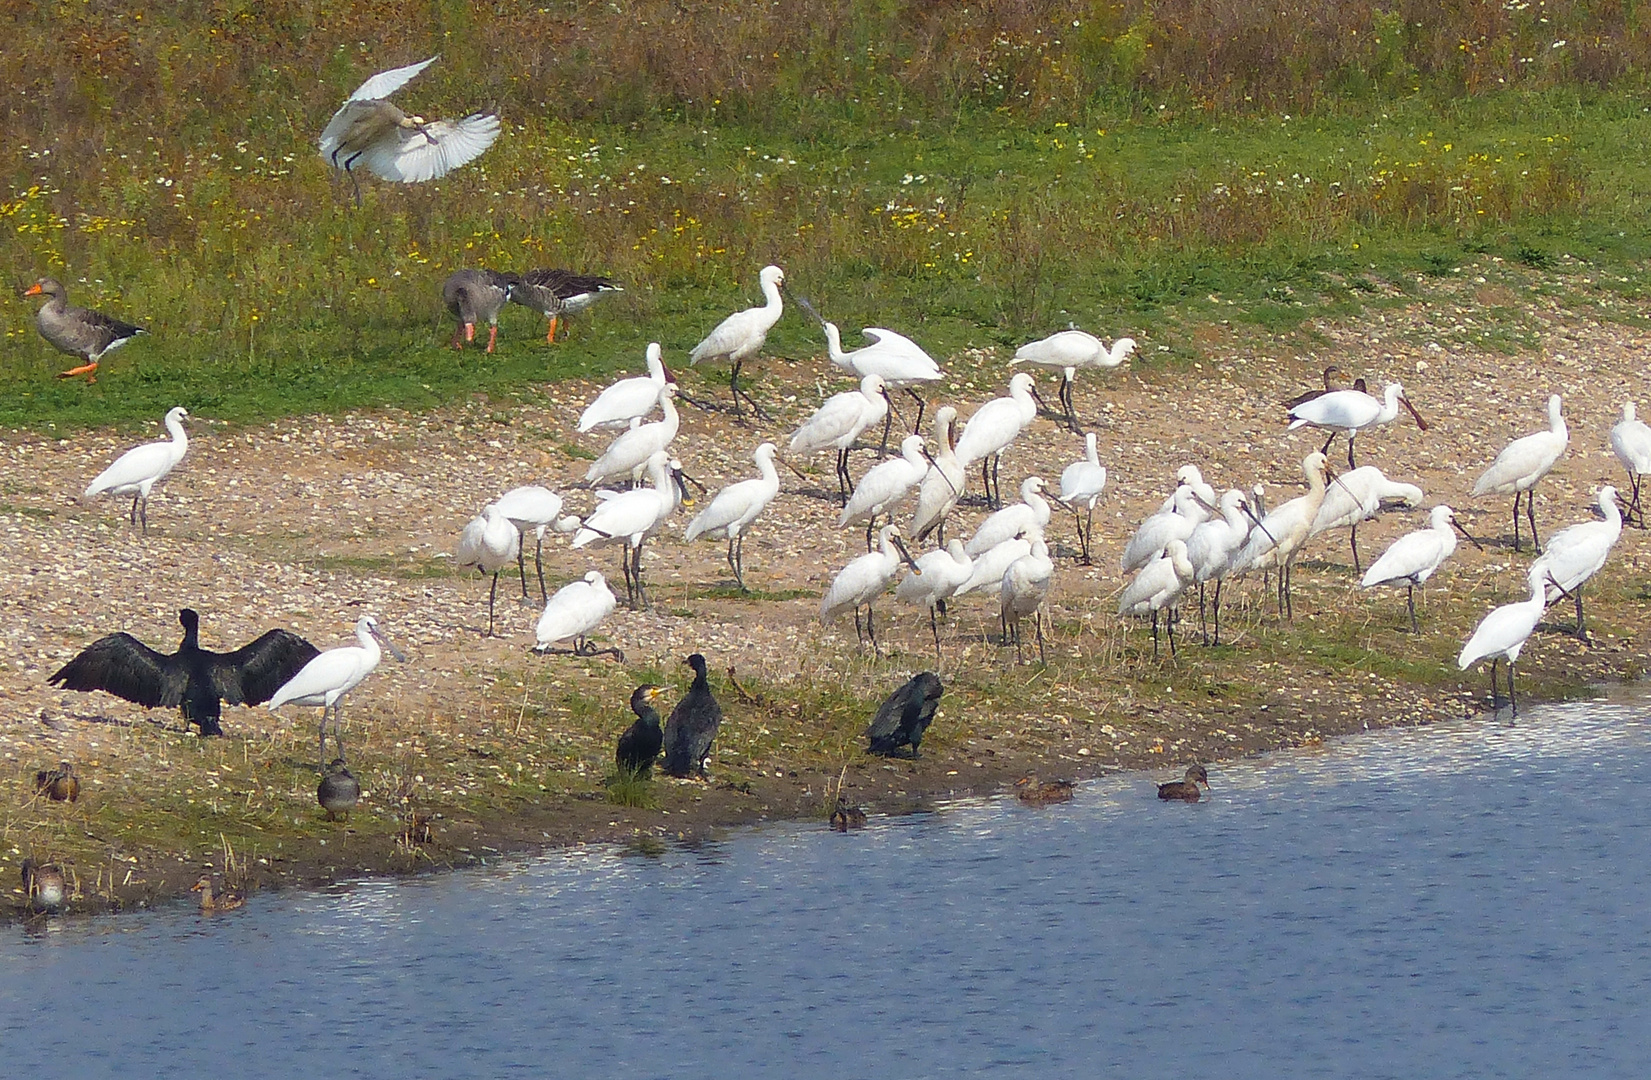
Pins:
x: 692, y: 726
x: 1522, y: 463
x: 740, y: 336
x: 943, y: 484
x: 884, y: 485
x: 1356, y: 496
x: 935, y: 578
x: 1414, y: 557
x: 77, y: 331
x: 1576, y: 553
x: 1352, y: 411
x: 1279, y: 537
x: 1210, y: 549
x: 900, y: 361
x: 838, y: 422
x: 1068, y: 352
x: 326, y: 679
x: 554, y: 293
x: 630, y: 450
x: 473, y: 295
x: 993, y: 427
x: 1005, y: 524
x: 195, y: 680
x: 574, y: 611
x: 861, y: 582
x: 1021, y: 593
x: 1158, y: 585
x: 489, y: 543
x: 1334, y: 379
x: 630, y: 517
x: 735, y: 507
x: 1631, y: 440
x: 1503, y: 633
x: 629, y: 399
x: 393, y: 145
x: 1084, y: 482
x: 532, y: 508
x: 137, y: 471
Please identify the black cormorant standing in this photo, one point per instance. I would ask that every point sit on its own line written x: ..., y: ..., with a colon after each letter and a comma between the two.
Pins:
x: 640, y: 744
x: 692, y: 726
x: 194, y: 679
x: 905, y: 716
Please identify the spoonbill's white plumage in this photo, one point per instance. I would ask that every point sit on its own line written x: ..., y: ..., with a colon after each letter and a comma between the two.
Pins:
x: 1210, y: 549
x: 993, y: 427
x: 989, y: 566
x: 1350, y: 412
x: 630, y: 450
x: 1278, y: 538
x: 532, y: 508
x: 1071, y: 351
x: 943, y: 484
x: 630, y: 517
x: 326, y: 679
x: 573, y: 612
x: 489, y: 543
x: 1522, y: 463
x: 1631, y: 441
x: 137, y: 471
x: 1176, y: 523
x: 1503, y: 633
x: 740, y: 336
x: 936, y: 577
x: 1157, y: 586
x: 1021, y: 592
x: 629, y: 399
x: 862, y: 581
x: 1084, y: 482
x: 393, y: 145
x: 839, y: 421
x: 1357, y: 496
x: 1575, y: 553
x: 885, y: 485
x: 735, y: 507
x: 1414, y: 557
x: 898, y: 360
x: 1006, y: 524
x: 1190, y: 477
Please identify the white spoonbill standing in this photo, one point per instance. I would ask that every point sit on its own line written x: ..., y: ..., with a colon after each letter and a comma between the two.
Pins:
x: 1631, y: 440
x: 1084, y: 482
x: 630, y: 451
x: 839, y: 421
x: 1006, y: 524
x: 393, y: 145
x: 629, y: 399
x: 1210, y: 549
x: 943, y: 484
x: 740, y: 336
x: 1522, y: 463
x: 737, y: 506
x: 1279, y: 537
x: 532, y: 508
x: 937, y: 575
x: 993, y: 427
x: 885, y: 485
x: 900, y: 361
x: 326, y: 679
x: 1413, y: 558
x: 1352, y: 411
x: 1184, y: 515
x: 1576, y: 553
x: 988, y: 567
x: 489, y: 543
x: 1356, y: 496
x: 862, y: 581
x: 1503, y: 633
x: 137, y: 471
x: 1068, y: 352
x: 573, y: 612
x: 1021, y: 593
x: 1159, y: 584
x: 630, y: 517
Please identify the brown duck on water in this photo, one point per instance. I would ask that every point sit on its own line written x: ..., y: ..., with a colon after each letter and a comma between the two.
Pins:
x: 474, y: 295
x: 212, y: 899
x: 554, y: 293
x: 1186, y: 790
x: 845, y: 817
x: 1031, y: 790
x: 78, y: 331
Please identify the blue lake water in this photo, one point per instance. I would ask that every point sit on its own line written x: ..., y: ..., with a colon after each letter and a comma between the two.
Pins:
x: 1468, y: 900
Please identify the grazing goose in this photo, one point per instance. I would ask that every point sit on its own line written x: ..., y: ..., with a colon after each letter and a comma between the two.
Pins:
x: 641, y: 743
x: 474, y: 295
x: 77, y: 331
x: 330, y: 675
x: 137, y: 471
x: 692, y: 726
x: 556, y: 293
x: 338, y: 791
x: 740, y: 336
x: 905, y: 716
x: 369, y: 131
x: 195, y: 680
x: 1521, y: 464
x: 1186, y: 790
x: 1068, y: 352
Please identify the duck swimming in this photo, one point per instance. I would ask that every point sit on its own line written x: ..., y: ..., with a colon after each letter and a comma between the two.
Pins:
x: 1035, y: 792
x: 212, y: 900
x: 845, y: 817
x: 1186, y: 790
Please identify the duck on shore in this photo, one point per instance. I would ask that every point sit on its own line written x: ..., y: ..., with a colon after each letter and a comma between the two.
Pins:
x: 44, y: 885
x: 339, y: 790
x: 59, y: 784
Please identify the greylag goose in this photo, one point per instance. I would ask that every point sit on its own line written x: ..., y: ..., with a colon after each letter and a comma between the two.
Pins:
x: 555, y: 293
x: 474, y: 295
x: 78, y: 331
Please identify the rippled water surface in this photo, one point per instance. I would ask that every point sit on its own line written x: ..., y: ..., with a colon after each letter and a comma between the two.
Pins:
x: 1465, y: 901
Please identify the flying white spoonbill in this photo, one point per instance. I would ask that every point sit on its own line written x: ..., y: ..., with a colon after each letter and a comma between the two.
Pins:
x: 326, y: 679
x: 629, y: 399
x: 1084, y: 482
x: 1352, y: 411
x: 574, y: 611
x: 740, y: 336
x: 1522, y: 463
x: 1501, y: 634
x: 137, y: 471
x: 862, y: 581
x: 1414, y: 557
x: 1631, y: 440
x: 737, y: 506
x: 839, y: 421
x: 1068, y: 352
x: 1576, y: 553
x: 993, y: 427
